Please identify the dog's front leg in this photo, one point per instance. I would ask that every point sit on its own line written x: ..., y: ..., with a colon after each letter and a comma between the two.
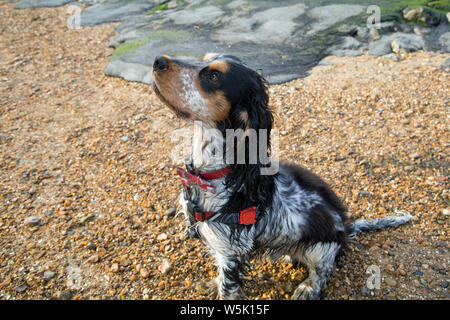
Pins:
x: 228, y: 283
x: 190, y: 231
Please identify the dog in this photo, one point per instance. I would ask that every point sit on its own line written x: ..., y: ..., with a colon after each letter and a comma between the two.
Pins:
x: 234, y: 207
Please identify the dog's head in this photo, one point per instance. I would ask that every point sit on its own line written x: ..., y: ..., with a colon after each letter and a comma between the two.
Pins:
x: 223, y: 92
x: 219, y: 90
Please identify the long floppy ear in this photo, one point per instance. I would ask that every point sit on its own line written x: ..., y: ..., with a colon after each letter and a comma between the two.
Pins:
x: 255, y: 118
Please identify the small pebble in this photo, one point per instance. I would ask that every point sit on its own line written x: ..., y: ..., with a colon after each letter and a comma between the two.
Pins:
x: 418, y: 272
x: 414, y: 155
x: 94, y: 259
x: 48, y: 213
x: 48, y: 275
x: 32, y: 220
x: 114, y: 267
x: 161, y: 237
x: 64, y: 295
x: 390, y: 282
x: 21, y: 288
x: 164, y: 267
x: 144, y: 273
x: 171, y: 212
x: 91, y: 246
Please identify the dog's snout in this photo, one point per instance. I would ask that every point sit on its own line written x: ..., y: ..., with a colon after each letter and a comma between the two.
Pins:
x: 160, y: 64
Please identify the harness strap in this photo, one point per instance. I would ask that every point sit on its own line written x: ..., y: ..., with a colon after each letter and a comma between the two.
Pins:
x: 246, y: 216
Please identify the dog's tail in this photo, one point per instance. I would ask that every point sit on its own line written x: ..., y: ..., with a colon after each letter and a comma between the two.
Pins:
x: 361, y: 225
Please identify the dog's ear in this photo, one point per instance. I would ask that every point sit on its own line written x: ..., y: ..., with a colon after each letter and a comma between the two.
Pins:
x: 259, y: 114
x: 253, y: 111
x: 254, y: 116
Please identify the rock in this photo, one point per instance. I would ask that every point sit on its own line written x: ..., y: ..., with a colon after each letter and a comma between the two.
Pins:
x: 171, y: 212
x: 374, y: 34
x: 31, y: 221
x: 262, y: 34
x: 422, y: 31
x: 114, y: 267
x: 93, y: 259
x: 410, y: 14
x: 423, y: 15
x: 418, y: 272
x: 444, y: 42
x: 144, y: 273
x: 446, y: 65
x: 41, y: 3
x: 21, y: 288
x: 414, y: 155
x: 116, y: 11
x: 48, y: 275
x: 165, y: 266
x: 404, y: 44
x: 348, y: 47
x: 326, y: 16
x: 64, y: 295
x: 125, y: 138
x: 161, y: 237
x: 162, y: 166
x: 444, y: 284
x: 383, y: 46
x: 392, y: 56
x: 125, y: 262
x: 446, y: 212
x: 48, y: 213
x: 390, y: 282
x: 364, y: 290
x: 91, y: 246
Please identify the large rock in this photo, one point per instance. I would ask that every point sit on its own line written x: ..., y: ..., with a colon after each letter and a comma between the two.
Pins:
x: 282, y: 39
x: 444, y: 41
x: 41, y: 3
x: 116, y: 11
x: 411, y: 42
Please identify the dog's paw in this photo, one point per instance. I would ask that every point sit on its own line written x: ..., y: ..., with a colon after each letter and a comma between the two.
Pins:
x: 305, y: 292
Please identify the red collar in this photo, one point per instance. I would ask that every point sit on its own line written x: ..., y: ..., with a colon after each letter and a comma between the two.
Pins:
x: 201, y: 178
x: 211, y: 175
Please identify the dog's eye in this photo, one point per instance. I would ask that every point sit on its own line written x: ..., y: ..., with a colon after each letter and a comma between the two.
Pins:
x: 214, y: 77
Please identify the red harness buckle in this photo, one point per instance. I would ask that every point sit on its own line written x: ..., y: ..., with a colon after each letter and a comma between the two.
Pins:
x: 247, y: 216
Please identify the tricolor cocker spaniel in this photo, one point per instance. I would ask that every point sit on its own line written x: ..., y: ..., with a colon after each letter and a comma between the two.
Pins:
x: 236, y: 204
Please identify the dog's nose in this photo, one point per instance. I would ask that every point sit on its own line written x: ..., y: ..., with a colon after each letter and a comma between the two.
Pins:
x: 160, y: 64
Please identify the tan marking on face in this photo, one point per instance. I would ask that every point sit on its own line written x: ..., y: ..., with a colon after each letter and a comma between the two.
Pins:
x: 221, y: 66
x: 179, y: 88
x: 210, y: 55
